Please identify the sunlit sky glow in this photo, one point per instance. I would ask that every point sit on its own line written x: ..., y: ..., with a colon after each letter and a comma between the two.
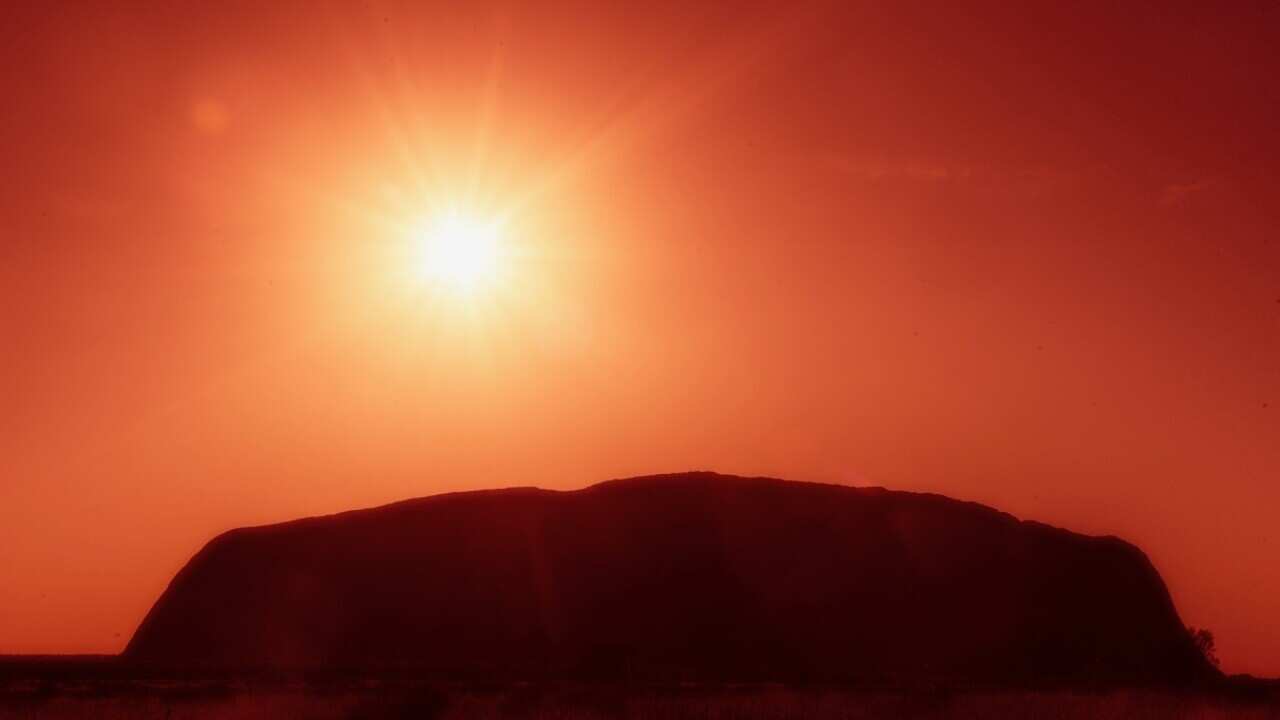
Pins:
x: 264, y: 260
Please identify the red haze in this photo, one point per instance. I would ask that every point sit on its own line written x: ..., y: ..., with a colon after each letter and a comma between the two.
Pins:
x: 1022, y: 256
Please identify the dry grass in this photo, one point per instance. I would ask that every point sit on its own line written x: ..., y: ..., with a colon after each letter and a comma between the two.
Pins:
x: 764, y: 703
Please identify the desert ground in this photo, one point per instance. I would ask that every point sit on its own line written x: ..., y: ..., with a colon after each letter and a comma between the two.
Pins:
x: 309, y: 701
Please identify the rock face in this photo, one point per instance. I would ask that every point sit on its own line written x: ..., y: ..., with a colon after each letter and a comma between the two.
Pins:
x: 690, y: 576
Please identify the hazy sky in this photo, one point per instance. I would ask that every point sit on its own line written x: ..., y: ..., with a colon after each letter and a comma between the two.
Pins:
x: 1025, y: 257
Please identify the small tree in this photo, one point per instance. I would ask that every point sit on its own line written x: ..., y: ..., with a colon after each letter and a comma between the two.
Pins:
x: 1204, y: 643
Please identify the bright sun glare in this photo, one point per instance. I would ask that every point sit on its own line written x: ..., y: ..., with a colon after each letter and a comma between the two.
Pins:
x: 460, y: 251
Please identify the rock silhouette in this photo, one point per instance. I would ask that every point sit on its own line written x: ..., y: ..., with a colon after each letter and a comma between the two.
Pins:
x: 688, y: 576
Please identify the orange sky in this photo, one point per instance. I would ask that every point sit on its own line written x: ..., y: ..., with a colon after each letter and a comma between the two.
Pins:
x: 1025, y: 258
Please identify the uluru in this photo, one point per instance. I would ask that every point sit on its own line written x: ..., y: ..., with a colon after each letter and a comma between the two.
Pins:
x: 685, y: 576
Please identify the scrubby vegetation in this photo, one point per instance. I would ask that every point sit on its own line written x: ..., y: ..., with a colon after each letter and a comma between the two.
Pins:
x: 309, y: 702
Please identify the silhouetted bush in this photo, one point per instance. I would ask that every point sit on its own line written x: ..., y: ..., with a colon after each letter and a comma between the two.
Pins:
x: 1205, y: 644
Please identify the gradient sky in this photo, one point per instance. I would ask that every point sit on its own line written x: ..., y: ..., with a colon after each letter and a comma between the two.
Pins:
x: 1025, y: 257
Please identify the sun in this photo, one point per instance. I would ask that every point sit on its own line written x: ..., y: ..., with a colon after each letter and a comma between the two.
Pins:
x: 460, y: 251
